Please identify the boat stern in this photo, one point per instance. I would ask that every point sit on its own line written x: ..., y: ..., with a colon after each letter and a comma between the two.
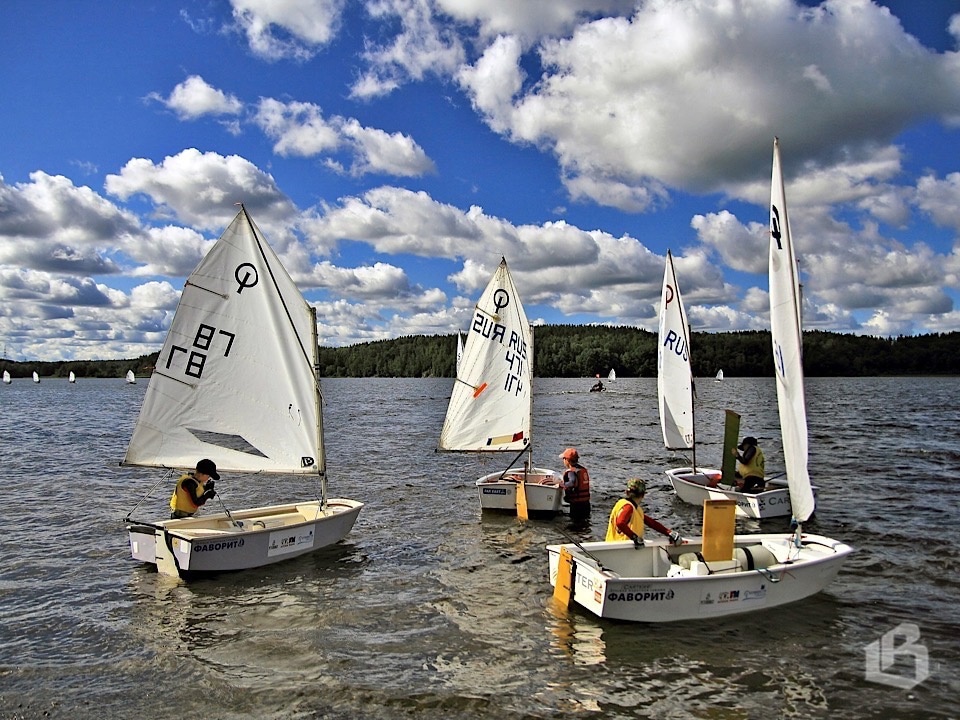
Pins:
x: 143, y: 543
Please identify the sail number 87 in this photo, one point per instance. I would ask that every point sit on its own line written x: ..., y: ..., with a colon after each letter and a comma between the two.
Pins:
x: 205, y: 338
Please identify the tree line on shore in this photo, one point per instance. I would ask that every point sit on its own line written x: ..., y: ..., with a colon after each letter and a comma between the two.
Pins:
x: 589, y: 350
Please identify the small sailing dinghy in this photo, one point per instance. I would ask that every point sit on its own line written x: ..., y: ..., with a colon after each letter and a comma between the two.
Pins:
x: 720, y: 573
x: 491, y: 405
x: 131, y: 378
x: 72, y: 378
x: 612, y: 375
x: 237, y: 382
x: 36, y: 378
x: 719, y: 377
x: 6, y: 377
x: 459, y: 349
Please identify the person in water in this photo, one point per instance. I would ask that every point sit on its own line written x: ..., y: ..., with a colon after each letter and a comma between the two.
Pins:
x: 750, y: 473
x: 193, y: 490
x: 576, y: 486
x: 627, y: 519
x: 598, y: 386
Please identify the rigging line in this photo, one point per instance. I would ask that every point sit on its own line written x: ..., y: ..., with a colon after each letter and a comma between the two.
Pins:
x: 134, y: 509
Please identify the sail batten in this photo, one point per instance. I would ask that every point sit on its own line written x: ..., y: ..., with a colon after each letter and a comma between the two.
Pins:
x: 216, y: 372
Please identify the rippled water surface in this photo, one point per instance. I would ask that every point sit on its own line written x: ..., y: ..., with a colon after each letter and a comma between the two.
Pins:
x: 430, y: 610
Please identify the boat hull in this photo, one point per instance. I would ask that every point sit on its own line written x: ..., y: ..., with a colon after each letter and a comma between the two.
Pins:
x: 243, y: 539
x: 617, y: 581
x: 498, y: 491
x: 691, y: 487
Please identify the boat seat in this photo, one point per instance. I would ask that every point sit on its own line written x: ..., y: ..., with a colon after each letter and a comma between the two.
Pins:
x: 755, y: 557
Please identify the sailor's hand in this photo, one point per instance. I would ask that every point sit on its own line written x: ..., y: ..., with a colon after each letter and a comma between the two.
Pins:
x: 210, y: 485
x: 675, y: 538
x: 637, y: 542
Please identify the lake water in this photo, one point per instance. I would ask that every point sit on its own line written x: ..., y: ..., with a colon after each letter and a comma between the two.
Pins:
x: 431, y: 610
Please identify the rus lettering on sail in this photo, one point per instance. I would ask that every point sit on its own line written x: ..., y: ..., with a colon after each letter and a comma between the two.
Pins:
x: 676, y: 344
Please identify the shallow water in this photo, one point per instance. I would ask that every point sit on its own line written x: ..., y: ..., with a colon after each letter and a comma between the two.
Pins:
x: 430, y: 610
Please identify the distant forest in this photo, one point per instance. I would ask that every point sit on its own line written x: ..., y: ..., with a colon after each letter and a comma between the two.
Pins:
x: 589, y: 350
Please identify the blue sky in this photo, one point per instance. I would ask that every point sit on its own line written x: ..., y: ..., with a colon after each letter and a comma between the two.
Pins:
x: 393, y: 150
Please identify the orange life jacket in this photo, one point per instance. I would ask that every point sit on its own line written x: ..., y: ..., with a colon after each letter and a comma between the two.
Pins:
x: 580, y: 492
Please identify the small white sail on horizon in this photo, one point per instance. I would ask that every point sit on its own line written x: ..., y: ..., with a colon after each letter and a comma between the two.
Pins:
x: 612, y: 375
x: 72, y: 378
x: 6, y: 377
x: 36, y: 378
x: 131, y: 378
x: 459, y: 350
x: 719, y: 377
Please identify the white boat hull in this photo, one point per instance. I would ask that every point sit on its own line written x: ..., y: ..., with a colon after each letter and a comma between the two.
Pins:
x: 242, y: 540
x: 543, y: 489
x: 691, y: 487
x: 617, y: 581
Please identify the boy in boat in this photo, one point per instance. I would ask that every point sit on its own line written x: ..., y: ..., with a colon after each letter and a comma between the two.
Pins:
x: 750, y: 466
x: 627, y: 519
x: 193, y: 490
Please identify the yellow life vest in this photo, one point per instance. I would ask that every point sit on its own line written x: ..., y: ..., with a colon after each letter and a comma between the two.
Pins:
x: 181, y: 499
x: 636, y: 521
x: 755, y: 468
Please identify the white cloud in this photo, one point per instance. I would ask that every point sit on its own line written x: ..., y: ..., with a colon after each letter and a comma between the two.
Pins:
x: 293, y: 29
x: 297, y: 127
x: 424, y: 45
x: 194, y: 98
x: 203, y: 189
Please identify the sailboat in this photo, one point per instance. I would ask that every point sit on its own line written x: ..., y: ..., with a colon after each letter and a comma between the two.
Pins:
x: 459, y: 349
x: 719, y: 377
x: 72, y: 378
x: 720, y: 573
x: 237, y: 381
x: 491, y: 405
x: 36, y: 378
x: 612, y: 375
x: 131, y: 378
x: 6, y: 377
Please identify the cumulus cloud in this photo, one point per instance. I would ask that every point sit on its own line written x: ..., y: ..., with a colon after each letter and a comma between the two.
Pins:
x: 292, y: 29
x: 194, y: 98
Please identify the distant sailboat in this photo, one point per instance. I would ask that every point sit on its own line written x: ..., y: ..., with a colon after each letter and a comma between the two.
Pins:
x: 459, y: 349
x: 72, y: 378
x: 131, y: 378
x: 612, y: 376
x: 719, y: 377
x: 36, y: 378
x: 6, y: 377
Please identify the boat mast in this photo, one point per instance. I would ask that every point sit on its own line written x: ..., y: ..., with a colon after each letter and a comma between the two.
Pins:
x: 322, y: 460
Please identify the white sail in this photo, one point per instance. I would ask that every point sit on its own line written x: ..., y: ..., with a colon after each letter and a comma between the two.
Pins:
x: 785, y: 327
x: 72, y: 378
x: 6, y: 377
x: 719, y: 377
x: 36, y: 378
x: 674, y: 376
x: 131, y: 378
x: 490, y: 406
x: 459, y: 350
x: 235, y: 380
x: 612, y: 375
